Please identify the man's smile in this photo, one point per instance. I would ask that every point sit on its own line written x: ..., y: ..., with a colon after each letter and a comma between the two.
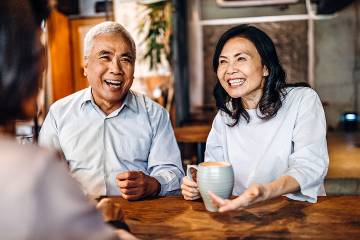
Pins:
x: 113, y: 83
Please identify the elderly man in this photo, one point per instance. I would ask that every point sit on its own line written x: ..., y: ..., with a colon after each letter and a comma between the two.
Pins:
x: 116, y: 141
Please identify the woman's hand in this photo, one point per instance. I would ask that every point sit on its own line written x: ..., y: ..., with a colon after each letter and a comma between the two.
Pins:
x: 110, y: 210
x: 255, y: 193
x: 125, y: 235
x: 189, y: 189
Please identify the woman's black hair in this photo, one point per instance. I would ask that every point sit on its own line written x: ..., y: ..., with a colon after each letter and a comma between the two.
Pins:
x: 20, y: 58
x: 41, y: 10
x: 274, y: 85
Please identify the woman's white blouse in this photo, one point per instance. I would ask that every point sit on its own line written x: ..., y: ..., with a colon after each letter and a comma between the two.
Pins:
x: 292, y: 143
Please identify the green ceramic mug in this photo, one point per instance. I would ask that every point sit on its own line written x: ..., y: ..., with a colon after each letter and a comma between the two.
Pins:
x: 217, y: 177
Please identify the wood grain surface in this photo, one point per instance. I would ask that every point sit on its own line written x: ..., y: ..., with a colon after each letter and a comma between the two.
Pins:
x: 336, y: 217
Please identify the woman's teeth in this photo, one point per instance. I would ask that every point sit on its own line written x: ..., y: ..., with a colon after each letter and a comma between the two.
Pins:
x: 236, y: 82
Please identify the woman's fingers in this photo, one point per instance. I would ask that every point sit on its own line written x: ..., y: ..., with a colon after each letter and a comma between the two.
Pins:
x: 223, y: 204
x: 229, y: 206
x: 189, y: 183
x: 125, y: 235
x: 110, y: 210
x: 189, y: 193
x: 252, y: 195
x: 218, y: 201
x: 189, y: 189
x: 238, y: 203
x: 190, y: 196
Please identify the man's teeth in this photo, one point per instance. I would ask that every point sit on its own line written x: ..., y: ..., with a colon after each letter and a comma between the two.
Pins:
x: 236, y: 82
x: 113, y: 83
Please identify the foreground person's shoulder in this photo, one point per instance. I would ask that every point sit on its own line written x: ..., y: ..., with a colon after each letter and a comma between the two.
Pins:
x: 26, y: 158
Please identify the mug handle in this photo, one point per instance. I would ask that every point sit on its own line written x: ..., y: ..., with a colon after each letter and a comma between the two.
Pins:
x: 188, y: 171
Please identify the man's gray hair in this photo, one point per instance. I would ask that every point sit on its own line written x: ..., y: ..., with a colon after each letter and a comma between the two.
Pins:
x: 106, y: 27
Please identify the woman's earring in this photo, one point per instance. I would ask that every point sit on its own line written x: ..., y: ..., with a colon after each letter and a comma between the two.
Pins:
x: 266, y: 72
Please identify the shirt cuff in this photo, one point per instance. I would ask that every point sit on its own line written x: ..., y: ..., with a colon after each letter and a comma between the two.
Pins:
x: 171, y: 187
x: 307, y: 192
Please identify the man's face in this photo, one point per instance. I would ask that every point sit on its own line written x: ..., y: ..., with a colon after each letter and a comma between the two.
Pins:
x: 109, y: 69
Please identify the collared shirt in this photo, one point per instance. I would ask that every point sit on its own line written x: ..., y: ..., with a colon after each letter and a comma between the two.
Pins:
x: 136, y: 137
x: 292, y: 143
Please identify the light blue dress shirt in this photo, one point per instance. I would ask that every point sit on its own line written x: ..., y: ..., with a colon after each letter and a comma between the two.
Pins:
x: 136, y: 137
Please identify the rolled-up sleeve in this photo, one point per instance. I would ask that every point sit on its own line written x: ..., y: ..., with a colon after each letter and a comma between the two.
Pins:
x: 164, y: 161
x: 309, y: 161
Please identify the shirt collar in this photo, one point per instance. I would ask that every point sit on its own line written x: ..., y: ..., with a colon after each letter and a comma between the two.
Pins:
x: 87, y: 97
x: 130, y: 100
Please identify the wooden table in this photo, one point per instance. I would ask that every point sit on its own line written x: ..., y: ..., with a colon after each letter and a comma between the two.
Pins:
x: 174, y: 218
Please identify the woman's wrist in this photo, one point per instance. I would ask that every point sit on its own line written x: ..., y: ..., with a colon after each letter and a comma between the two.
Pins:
x: 280, y: 186
x: 268, y: 191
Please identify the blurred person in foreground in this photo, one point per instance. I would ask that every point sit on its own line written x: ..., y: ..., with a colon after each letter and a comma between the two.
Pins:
x: 116, y: 141
x: 273, y: 133
x: 39, y: 199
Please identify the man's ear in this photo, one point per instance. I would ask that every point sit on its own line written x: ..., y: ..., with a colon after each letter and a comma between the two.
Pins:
x: 85, y: 66
x: 265, y: 71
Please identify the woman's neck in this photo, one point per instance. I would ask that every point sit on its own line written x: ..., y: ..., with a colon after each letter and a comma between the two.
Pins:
x: 251, y: 101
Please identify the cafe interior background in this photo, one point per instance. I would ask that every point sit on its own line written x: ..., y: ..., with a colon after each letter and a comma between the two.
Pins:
x: 318, y: 42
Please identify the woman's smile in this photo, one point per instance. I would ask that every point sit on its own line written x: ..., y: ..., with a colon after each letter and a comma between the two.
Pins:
x: 236, y: 82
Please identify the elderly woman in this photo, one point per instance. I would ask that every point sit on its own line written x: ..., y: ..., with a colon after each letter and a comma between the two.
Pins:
x: 39, y: 199
x: 273, y: 133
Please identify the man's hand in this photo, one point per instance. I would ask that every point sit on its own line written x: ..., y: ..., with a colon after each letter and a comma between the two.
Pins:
x: 137, y: 185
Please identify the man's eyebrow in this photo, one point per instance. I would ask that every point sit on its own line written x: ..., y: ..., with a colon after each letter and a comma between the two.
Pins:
x: 103, y: 52
x: 127, y: 55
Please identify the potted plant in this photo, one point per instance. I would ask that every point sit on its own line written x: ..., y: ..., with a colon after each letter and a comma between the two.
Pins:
x: 156, y: 27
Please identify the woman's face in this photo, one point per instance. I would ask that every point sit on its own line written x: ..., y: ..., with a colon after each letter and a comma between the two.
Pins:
x: 241, y: 72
